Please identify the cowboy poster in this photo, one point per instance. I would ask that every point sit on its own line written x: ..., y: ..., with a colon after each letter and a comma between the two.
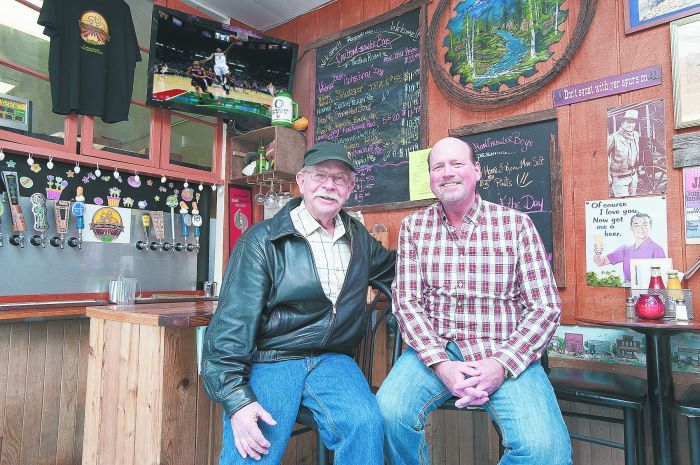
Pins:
x: 636, y: 149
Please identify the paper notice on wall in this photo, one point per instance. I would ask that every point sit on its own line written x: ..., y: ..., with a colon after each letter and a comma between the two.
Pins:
x: 691, y: 199
x: 419, y: 175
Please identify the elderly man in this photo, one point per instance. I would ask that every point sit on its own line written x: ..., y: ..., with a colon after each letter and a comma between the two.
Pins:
x: 623, y: 156
x: 477, y: 304
x: 289, y: 320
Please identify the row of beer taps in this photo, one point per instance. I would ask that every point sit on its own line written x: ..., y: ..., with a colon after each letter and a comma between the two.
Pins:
x: 63, y: 209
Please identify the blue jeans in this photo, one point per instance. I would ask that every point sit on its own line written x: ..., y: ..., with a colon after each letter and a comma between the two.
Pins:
x: 525, y: 410
x: 334, y: 389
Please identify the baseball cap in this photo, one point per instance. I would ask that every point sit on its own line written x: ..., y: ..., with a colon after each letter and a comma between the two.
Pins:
x: 324, y: 151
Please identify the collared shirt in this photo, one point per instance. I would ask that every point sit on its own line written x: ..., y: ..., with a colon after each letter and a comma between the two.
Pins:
x: 647, y: 249
x: 488, y: 287
x: 331, y: 253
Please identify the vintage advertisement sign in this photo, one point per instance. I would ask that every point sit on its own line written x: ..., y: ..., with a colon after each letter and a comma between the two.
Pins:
x: 612, y: 85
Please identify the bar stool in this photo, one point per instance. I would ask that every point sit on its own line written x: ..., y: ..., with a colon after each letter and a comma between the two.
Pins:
x: 605, y: 389
x: 364, y: 358
x: 689, y: 405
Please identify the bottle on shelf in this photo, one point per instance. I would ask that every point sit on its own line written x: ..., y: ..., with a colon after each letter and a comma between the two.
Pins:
x: 675, y: 291
x: 649, y: 305
x: 261, y: 164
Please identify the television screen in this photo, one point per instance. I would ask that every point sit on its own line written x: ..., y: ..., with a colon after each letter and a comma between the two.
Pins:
x: 201, y: 66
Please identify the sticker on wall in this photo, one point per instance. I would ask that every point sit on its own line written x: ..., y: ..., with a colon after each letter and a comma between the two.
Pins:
x: 107, y: 224
x: 114, y: 197
x: 128, y: 202
x: 187, y: 194
x: 619, y: 231
x: 26, y: 182
x: 55, y: 187
x: 142, y: 204
x: 35, y: 168
x: 133, y: 181
x: 10, y: 163
x: 98, y: 201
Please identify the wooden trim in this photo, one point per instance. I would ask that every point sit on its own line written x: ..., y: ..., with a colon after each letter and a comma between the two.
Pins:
x: 411, y: 5
x: 88, y: 139
x: 392, y: 206
x: 42, y: 313
x: 25, y: 144
x: 87, y: 297
x: 424, y: 102
x: 518, y: 120
x: 686, y: 149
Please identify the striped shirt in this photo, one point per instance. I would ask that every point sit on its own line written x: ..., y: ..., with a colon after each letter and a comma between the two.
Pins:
x: 487, y: 287
x: 331, y: 253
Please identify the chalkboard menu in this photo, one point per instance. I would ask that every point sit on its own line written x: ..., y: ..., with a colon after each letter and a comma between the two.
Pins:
x: 368, y: 91
x: 516, y: 171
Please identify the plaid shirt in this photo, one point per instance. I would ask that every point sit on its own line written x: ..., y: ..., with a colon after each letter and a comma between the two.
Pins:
x: 487, y: 287
x: 331, y: 254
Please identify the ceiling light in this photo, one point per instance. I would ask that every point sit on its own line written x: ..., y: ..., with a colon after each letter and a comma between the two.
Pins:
x: 22, y: 18
x: 6, y: 87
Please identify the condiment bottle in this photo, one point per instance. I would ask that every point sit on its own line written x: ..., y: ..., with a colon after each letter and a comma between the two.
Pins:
x: 630, y: 310
x: 650, y: 306
x: 675, y: 291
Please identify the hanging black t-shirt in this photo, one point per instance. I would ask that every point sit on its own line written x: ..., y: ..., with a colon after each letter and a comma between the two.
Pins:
x: 92, y: 56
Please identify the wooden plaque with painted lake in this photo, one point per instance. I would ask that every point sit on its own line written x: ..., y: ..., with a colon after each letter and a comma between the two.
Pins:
x: 368, y: 90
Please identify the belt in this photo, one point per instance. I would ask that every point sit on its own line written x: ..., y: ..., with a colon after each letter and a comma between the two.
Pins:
x: 623, y: 175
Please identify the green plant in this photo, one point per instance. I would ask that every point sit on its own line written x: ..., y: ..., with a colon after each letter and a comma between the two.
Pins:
x: 610, y: 279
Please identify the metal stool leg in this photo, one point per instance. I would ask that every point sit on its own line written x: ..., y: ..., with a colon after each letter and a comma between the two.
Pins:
x: 693, y: 439
x: 641, y: 439
x: 631, y: 430
x: 321, y: 450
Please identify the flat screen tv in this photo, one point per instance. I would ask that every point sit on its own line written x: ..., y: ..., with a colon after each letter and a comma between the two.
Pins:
x: 201, y: 66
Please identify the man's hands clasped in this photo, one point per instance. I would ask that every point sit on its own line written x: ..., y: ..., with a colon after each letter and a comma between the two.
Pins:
x: 247, y: 436
x: 473, y: 382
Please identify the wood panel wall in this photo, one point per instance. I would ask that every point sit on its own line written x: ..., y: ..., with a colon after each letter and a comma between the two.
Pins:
x: 605, y: 51
x: 42, y: 392
x: 162, y: 414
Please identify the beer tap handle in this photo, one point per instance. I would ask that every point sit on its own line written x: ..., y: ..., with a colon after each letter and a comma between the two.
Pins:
x: 78, y: 210
x: 158, y: 230
x: 146, y: 221
x: 197, y: 223
x: 41, y: 223
x: 171, y: 201
x: 11, y: 181
x: 62, y: 216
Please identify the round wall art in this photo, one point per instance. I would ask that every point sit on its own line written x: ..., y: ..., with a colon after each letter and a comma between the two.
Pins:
x: 494, y: 53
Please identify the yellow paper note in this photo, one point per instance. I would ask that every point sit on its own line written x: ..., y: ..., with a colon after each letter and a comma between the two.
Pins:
x: 419, y: 176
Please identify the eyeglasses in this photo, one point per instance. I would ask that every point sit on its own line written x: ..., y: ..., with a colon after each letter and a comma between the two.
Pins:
x: 340, y: 179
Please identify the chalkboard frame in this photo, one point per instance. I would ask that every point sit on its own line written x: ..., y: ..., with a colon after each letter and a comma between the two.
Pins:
x: 423, y: 132
x: 558, y: 244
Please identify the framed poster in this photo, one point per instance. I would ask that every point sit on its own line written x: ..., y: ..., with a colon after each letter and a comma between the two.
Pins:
x: 642, y: 14
x: 685, y: 58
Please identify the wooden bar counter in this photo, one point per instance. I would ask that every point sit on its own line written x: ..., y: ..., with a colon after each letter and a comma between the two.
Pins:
x: 145, y: 404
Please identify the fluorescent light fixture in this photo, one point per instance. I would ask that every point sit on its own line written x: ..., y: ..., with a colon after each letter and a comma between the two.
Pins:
x: 22, y: 18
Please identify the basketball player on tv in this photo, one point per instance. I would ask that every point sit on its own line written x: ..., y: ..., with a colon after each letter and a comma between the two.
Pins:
x: 221, y: 69
x: 198, y: 78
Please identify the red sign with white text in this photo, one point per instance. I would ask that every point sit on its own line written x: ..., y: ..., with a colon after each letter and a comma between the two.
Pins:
x: 240, y: 211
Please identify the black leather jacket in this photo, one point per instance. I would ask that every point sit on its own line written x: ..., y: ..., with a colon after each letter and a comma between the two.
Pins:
x: 272, y: 306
